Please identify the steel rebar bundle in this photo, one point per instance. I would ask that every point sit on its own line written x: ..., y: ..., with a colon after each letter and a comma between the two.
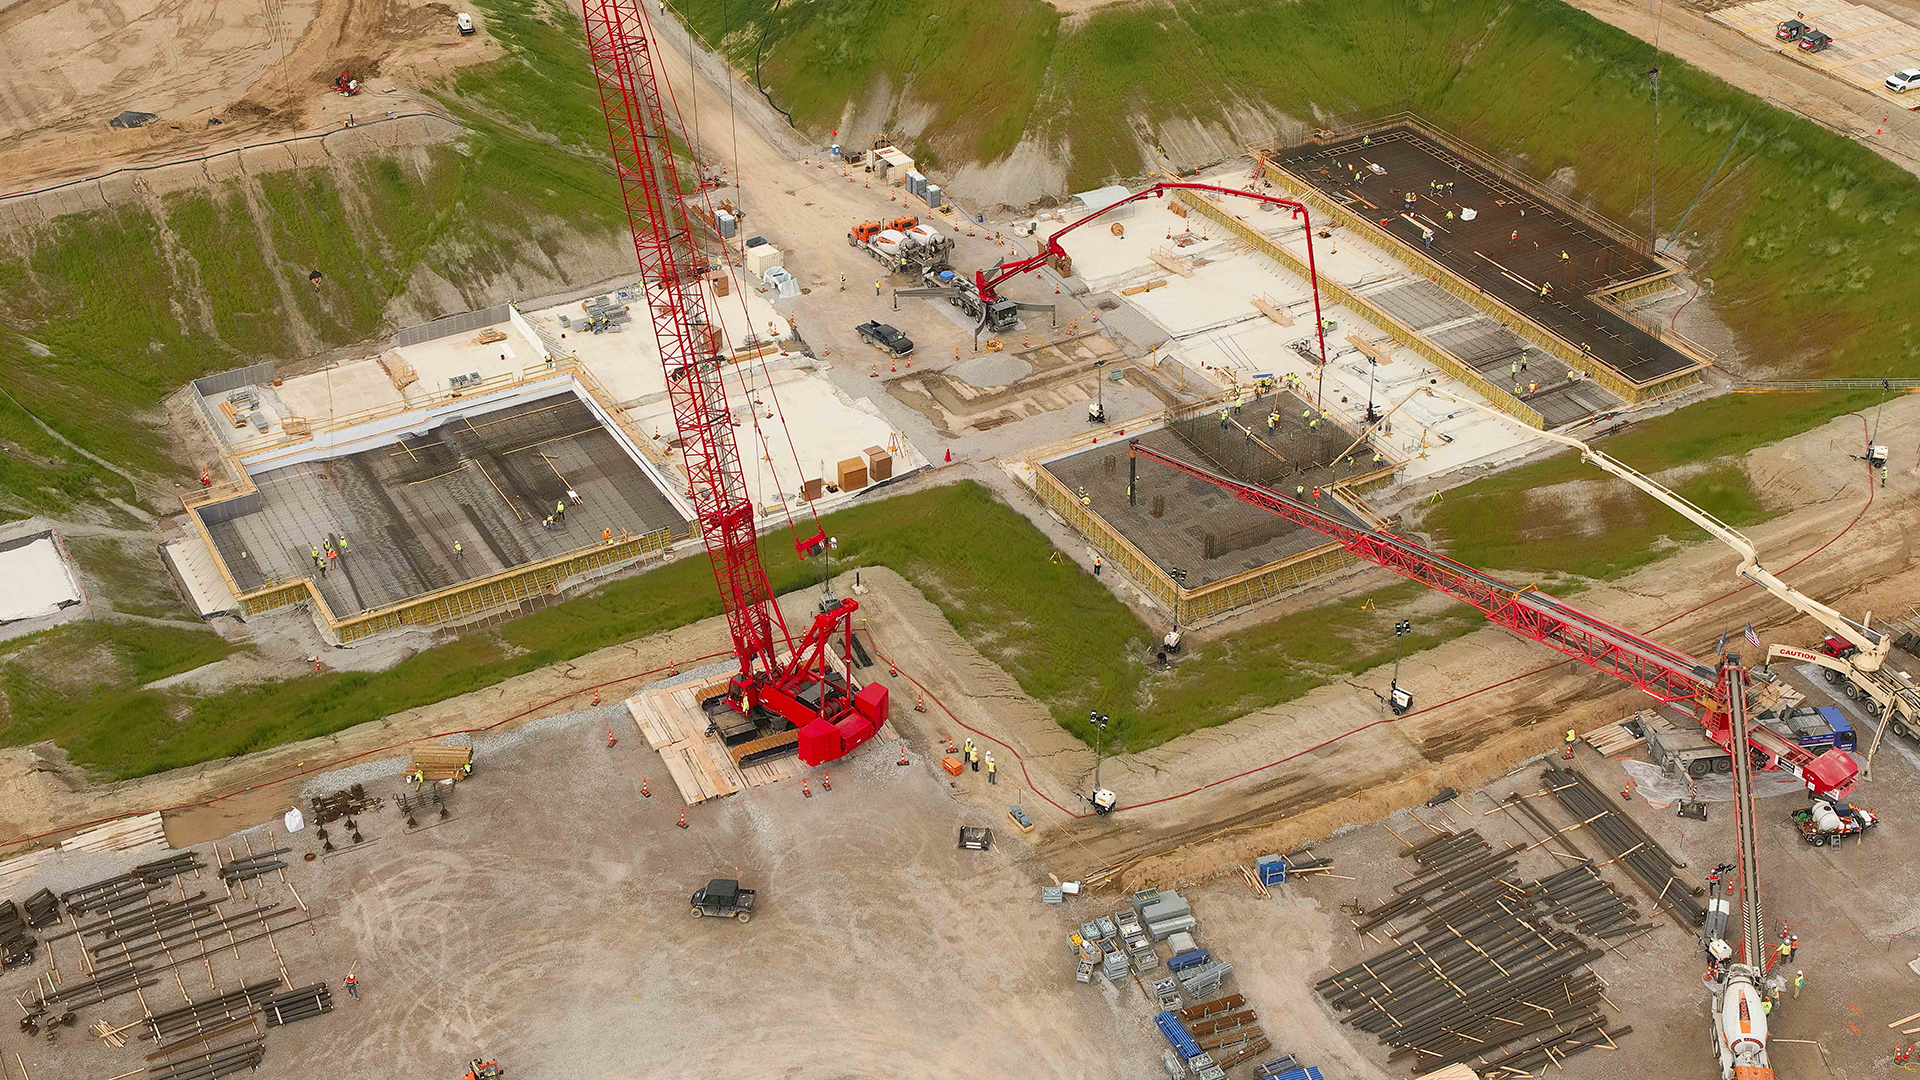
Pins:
x: 1628, y: 844
x: 302, y: 1004
x: 189, y: 1019
x: 215, y: 1063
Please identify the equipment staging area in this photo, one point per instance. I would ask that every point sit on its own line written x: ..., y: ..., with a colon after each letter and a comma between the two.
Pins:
x: 503, y: 874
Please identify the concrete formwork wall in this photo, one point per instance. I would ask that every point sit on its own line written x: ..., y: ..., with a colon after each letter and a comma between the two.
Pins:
x: 1399, y: 331
x: 462, y: 600
x: 450, y: 325
x: 1188, y: 606
x: 220, y: 383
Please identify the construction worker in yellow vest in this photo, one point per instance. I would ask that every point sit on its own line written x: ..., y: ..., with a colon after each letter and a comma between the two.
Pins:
x: 973, y: 757
x: 991, y: 778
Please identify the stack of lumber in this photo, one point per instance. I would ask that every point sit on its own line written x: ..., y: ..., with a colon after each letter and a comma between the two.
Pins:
x: 439, y: 762
x: 1611, y: 739
x: 121, y: 834
x: 20, y: 867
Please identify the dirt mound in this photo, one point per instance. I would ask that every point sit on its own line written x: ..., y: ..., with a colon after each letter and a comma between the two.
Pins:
x: 263, y: 68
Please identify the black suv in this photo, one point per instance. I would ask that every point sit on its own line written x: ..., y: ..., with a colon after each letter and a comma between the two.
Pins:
x: 886, y: 337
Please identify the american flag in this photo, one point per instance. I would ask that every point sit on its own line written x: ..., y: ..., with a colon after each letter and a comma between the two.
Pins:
x: 1753, y: 639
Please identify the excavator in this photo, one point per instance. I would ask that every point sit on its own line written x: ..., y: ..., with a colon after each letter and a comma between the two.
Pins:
x: 483, y: 1070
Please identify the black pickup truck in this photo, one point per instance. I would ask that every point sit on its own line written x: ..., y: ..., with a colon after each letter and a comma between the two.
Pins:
x: 886, y: 337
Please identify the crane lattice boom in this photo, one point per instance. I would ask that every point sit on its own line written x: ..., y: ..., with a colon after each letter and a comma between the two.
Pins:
x: 804, y: 691
x: 1671, y: 677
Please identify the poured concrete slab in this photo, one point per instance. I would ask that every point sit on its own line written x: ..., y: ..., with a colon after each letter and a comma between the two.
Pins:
x: 35, y: 580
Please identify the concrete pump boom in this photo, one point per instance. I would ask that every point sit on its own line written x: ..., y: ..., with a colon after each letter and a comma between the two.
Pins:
x: 1872, y: 645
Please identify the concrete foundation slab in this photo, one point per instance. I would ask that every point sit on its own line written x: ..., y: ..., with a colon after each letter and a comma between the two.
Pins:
x: 463, y: 499
x: 35, y: 580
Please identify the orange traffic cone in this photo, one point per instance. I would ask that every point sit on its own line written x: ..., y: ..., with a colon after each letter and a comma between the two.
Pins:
x: 895, y: 366
x: 610, y: 739
x: 826, y: 782
x: 892, y: 668
x: 596, y: 697
x: 903, y: 755
x: 875, y: 373
x: 805, y: 790
x: 683, y: 819
x: 644, y: 793
x: 919, y: 703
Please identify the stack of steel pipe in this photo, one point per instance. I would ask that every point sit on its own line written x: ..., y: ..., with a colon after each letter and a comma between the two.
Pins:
x: 129, y: 888
x: 193, y: 1018
x: 1587, y: 901
x: 302, y: 1004
x: 252, y: 866
x: 147, y: 920
x: 185, y: 929
x: 214, y: 1063
x: 1552, y: 1047
x: 1628, y: 844
x: 106, y: 983
x: 1464, y: 876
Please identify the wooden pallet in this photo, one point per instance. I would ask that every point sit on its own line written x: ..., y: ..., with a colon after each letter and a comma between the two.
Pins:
x: 441, y: 761
x: 122, y: 834
x: 1611, y: 739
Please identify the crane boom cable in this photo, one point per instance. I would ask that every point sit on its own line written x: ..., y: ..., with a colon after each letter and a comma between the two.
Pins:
x: 622, y: 53
x: 706, y: 197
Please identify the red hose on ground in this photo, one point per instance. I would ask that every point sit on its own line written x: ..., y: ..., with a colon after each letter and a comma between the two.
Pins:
x: 335, y: 763
x: 931, y: 696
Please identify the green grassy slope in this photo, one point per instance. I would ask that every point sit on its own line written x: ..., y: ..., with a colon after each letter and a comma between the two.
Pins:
x: 127, y: 304
x: 981, y: 562
x: 1802, y: 220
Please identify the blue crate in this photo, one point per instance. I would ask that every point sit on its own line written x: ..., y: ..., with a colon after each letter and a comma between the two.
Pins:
x: 1190, y: 958
x: 1272, y: 869
x: 1176, y: 1034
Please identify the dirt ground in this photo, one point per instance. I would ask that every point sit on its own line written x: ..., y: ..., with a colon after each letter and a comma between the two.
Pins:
x: 262, y: 69
x: 542, y: 923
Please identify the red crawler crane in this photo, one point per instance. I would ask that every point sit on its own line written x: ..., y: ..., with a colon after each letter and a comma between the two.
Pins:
x: 807, y: 690
x: 1672, y: 677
